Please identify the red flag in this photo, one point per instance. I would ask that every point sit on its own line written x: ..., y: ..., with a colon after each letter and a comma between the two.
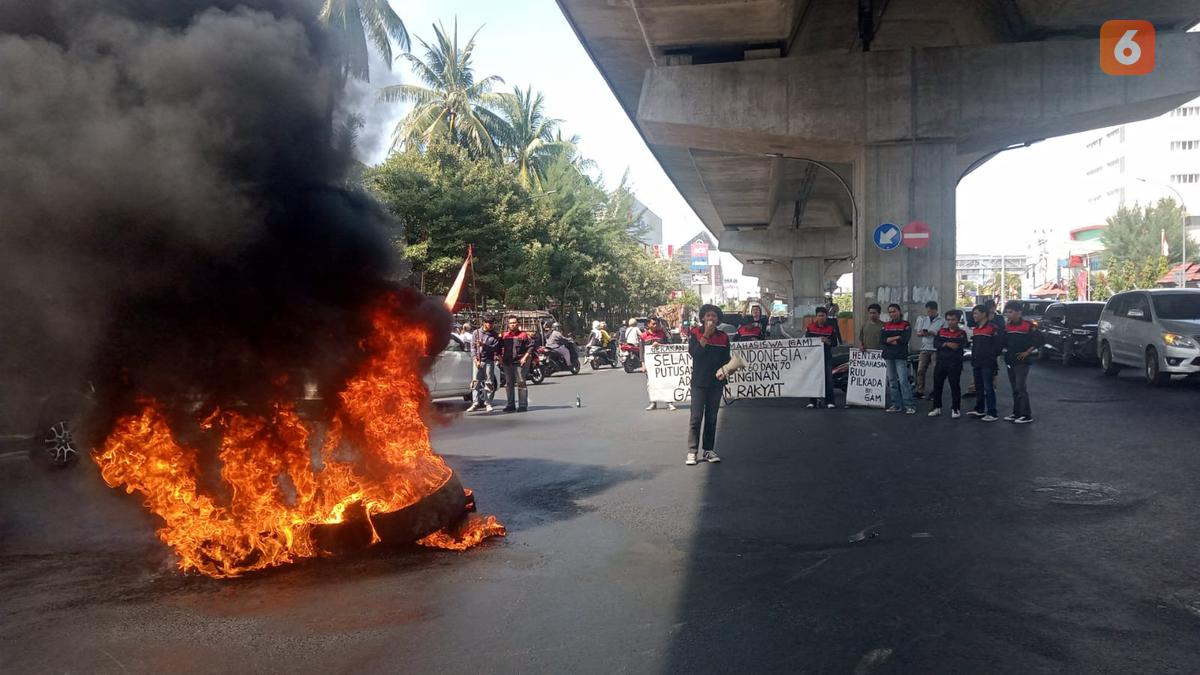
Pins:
x: 456, y: 288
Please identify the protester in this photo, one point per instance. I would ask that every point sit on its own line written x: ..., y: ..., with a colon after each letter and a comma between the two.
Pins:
x: 823, y: 329
x: 986, y: 343
x: 758, y: 318
x: 833, y: 313
x: 927, y: 328
x: 1021, y: 339
x: 654, y: 334
x: 709, y: 349
x: 515, y: 347
x: 895, y: 335
x: 949, y: 342
x: 869, y: 332
x: 485, y: 349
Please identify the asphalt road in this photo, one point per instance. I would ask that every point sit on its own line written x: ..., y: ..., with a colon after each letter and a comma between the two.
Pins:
x: 827, y: 541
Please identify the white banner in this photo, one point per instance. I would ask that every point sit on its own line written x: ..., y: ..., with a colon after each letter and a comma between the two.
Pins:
x: 866, y: 381
x: 793, y: 368
x: 668, y: 372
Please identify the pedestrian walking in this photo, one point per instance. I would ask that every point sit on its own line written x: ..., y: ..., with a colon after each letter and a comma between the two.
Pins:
x: 986, y: 343
x: 824, y: 330
x: 654, y: 334
x: 949, y: 341
x: 894, y: 335
x: 869, y: 335
x: 927, y: 329
x: 709, y: 349
x: 515, y: 350
x: 485, y: 350
x: 1021, y: 339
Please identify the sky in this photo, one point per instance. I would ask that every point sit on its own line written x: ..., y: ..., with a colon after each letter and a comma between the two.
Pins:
x: 529, y: 42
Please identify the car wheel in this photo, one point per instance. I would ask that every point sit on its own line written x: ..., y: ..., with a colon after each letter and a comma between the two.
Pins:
x: 1154, y: 376
x: 56, y: 441
x: 1106, y: 361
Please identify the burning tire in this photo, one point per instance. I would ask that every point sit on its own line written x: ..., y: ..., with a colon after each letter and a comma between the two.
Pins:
x: 57, y: 441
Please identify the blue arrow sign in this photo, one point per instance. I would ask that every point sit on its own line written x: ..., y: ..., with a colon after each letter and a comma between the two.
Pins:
x: 887, y: 236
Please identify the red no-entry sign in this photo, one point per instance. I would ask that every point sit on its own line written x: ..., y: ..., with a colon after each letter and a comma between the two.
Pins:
x: 916, y: 234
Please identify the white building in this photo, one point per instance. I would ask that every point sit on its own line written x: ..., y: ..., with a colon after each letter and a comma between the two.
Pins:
x: 1164, y: 150
x: 649, y: 225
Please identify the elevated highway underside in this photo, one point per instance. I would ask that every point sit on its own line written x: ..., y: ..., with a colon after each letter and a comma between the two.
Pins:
x: 794, y: 127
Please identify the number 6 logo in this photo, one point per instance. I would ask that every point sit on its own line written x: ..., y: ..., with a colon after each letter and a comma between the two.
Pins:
x: 1127, y: 47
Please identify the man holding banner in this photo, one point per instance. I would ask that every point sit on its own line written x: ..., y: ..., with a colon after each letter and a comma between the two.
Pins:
x: 821, y: 329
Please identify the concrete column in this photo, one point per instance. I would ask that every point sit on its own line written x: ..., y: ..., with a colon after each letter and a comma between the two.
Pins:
x: 899, y: 183
x: 808, y: 286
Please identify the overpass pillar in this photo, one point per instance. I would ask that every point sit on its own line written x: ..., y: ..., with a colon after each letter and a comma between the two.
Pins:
x: 899, y: 183
x: 808, y: 286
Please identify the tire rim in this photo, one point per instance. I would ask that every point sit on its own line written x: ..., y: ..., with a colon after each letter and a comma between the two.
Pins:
x: 59, y: 443
x: 1152, y: 365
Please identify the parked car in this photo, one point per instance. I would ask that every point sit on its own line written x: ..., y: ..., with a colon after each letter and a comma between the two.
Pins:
x: 1032, y: 310
x: 452, y: 372
x: 1157, y: 330
x: 1069, y: 331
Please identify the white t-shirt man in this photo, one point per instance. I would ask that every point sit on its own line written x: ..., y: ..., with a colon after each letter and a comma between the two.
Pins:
x: 933, y: 325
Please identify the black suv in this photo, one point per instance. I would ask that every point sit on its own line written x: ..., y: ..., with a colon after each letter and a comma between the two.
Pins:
x: 1069, y: 330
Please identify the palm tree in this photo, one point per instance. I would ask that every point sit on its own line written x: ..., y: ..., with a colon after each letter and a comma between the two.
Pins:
x: 353, y: 21
x: 452, y: 102
x: 531, y: 140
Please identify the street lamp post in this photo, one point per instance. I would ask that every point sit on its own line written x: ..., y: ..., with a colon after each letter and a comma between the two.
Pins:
x: 1183, y: 242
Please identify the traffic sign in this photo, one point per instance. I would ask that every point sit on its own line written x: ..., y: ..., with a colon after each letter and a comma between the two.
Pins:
x: 916, y: 234
x: 887, y: 236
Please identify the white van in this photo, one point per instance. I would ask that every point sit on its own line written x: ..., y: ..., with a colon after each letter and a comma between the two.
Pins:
x: 1157, y: 330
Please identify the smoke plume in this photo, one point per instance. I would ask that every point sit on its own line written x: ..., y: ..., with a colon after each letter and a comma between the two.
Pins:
x: 174, y: 219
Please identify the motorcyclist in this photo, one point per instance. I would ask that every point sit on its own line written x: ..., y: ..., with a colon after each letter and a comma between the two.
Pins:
x: 558, y: 343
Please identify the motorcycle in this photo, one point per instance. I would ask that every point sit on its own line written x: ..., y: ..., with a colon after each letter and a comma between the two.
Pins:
x: 601, y: 356
x: 552, y: 362
x: 633, y: 358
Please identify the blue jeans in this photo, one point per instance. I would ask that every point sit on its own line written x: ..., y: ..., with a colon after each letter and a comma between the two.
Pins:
x: 899, y: 388
x: 485, y: 374
x: 985, y: 388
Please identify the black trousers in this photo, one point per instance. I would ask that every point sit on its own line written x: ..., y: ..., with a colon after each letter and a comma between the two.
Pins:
x: 953, y: 373
x: 705, y: 403
x: 1018, y: 373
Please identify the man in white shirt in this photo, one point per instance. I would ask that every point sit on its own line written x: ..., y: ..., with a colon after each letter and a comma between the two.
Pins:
x: 927, y: 329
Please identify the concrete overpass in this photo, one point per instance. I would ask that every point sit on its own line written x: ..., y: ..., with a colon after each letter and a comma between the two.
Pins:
x: 794, y: 127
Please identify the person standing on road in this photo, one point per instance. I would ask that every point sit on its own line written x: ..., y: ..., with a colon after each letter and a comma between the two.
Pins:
x: 927, y: 329
x: 654, y: 335
x: 869, y: 334
x: 823, y: 329
x: 466, y: 336
x: 895, y: 335
x: 515, y: 347
x: 986, y: 343
x: 1020, y: 342
x: 950, y: 340
x: 485, y: 349
x: 833, y: 313
x: 709, y: 349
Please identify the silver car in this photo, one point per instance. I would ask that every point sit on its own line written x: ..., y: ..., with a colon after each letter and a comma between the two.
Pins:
x: 1156, y: 330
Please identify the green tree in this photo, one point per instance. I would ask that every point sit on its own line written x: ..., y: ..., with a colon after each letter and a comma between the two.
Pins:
x: 1134, y: 234
x: 967, y: 290
x: 1012, y: 286
x: 445, y: 200
x: 353, y: 22
x: 453, y: 104
x: 531, y: 140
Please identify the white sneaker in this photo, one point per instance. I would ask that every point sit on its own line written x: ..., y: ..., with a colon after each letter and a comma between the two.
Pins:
x: 710, y: 456
x: 1010, y: 418
x: 671, y: 406
x: 473, y: 407
x: 830, y: 405
x: 1023, y: 420
x: 936, y: 412
x: 954, y: 414
x: 691, y: 459
x: 488, y: 407
x: 652, y: 406
x: 974, y: 413
x: 811, y: 405
x: 989, y: 418
x: 893, y: 409
x: 910, y: 411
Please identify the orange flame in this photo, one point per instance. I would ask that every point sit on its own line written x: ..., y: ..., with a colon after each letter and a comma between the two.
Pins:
x: 270, y: 495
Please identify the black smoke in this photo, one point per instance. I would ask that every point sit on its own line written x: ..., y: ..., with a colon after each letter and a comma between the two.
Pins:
x: 174, y: 216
